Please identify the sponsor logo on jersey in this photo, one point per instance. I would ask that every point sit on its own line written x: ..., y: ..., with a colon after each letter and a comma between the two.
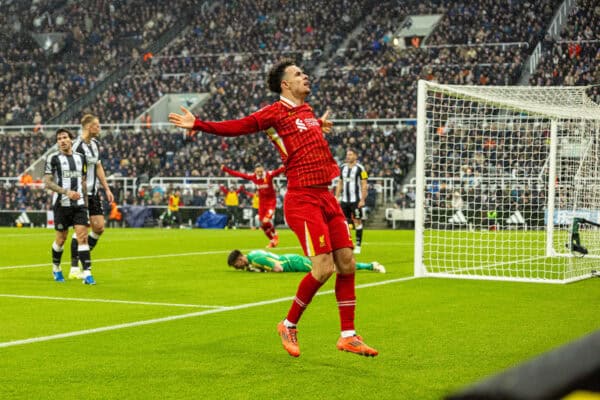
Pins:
x: 301, y: 125
x: 71, y: 174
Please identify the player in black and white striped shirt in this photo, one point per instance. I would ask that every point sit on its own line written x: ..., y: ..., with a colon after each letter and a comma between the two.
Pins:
x: 64, y: 174
x: 351, y: 192
x: 87, y: 144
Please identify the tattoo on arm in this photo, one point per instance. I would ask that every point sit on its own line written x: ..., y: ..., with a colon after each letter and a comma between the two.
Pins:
x: 50, y: 184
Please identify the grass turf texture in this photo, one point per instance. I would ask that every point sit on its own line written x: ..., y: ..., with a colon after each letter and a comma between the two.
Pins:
x: 433, y: 335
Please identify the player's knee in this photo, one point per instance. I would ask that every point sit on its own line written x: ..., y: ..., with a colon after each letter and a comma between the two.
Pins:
x: 323, y: 267
x: 345, y: 261
x: 322, y: 275
x: 97, y: 227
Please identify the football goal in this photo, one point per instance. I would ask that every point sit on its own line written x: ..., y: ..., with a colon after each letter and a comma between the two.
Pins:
x: 508, y: 183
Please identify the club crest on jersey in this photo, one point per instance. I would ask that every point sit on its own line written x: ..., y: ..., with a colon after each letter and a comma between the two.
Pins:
x: 322, y: 241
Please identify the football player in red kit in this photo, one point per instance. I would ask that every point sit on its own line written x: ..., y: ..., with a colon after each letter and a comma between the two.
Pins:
x: 311, y: 210
x: 267, y: 198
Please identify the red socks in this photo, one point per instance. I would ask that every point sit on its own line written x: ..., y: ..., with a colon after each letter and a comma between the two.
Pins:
x: 346, y: 299
x: 344, y: 293
x: 306, y: 291
x: 268, y: 229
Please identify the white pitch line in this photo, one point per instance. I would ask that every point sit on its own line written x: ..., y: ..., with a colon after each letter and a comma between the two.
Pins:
x: 146, y: 303
x: 101, y: 260
x: 177, y: 317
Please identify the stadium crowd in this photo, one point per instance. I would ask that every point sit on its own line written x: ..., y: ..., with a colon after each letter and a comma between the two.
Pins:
x: 347, y: 48
x: 572, y: 59
x: 386, y: 151
x: 19, y: 151
x: 364, y: 67
x: 91, y: 39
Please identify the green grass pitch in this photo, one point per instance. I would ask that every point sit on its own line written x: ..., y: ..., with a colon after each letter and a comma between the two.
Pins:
x: 169, y: 320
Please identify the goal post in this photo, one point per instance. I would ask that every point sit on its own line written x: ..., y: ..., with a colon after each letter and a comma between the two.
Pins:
x: 504, y: 175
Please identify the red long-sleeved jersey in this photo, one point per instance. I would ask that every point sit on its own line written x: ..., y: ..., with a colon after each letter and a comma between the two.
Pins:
x: 266, y: 192
x: 296, y: 134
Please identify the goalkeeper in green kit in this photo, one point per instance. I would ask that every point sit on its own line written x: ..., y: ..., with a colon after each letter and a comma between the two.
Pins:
x: 264, y: 261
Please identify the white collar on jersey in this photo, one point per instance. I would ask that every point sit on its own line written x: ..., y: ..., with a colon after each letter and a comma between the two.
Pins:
x: 288, y: 101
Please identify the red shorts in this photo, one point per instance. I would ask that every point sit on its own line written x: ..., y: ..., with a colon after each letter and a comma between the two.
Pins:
x: 266, y: 210
x: 317, y: 220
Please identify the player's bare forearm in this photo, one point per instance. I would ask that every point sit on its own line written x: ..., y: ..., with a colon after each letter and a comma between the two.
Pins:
x: 363, y: 190
x: 50, y: 184
x: 102, y: 177
x: 84, y: 190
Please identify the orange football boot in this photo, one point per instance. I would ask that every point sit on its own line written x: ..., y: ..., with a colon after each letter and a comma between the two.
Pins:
x: 355, y: 344
x: 289, y: 339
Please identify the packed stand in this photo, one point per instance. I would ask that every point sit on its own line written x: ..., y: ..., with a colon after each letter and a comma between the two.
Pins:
x: 491, y: 21
x: 15, y: 197
x: 19, y: 151
x: 243, y: 26
x: 373, y: 78
x: 370, y: 80
x: 573, y: 58
x: 99, y: 37
x: 384, y: 151
x: 203, y: 59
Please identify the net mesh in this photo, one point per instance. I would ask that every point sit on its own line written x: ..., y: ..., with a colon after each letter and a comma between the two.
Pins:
x: 487, y: 168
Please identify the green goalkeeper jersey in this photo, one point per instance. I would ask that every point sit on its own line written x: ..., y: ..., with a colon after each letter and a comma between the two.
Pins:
x: 265, y: 261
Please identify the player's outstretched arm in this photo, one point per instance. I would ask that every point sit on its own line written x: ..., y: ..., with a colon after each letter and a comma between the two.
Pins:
x: 235, y: 127
x: 278, y: 171
x: 237, y: 174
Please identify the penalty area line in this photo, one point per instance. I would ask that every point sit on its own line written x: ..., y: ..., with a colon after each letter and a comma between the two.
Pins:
x: 178, y: 317
x: 102, y: 260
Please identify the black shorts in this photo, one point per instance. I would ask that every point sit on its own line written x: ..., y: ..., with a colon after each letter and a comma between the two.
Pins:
x: 65, y: 217
x: 352, y: 210
x: 95, y: 205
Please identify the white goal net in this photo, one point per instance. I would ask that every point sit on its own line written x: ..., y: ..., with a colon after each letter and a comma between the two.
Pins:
x: 508, y: 183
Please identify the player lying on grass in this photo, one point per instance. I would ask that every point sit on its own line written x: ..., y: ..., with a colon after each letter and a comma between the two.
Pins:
x: 264, y: 261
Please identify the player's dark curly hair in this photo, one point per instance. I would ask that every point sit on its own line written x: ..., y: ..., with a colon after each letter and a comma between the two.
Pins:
x: 232, y: 257
x: 276, y: 75
x: 63, y: 130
